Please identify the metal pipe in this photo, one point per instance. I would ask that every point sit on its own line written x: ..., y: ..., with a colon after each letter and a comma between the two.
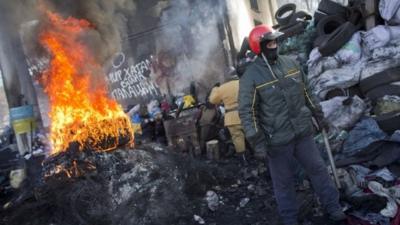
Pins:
x: 330, y: 156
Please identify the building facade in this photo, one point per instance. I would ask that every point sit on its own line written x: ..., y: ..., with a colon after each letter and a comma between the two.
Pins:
x: 245, y: 14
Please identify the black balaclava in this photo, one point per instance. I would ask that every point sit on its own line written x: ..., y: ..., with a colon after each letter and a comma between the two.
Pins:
x: 270, y: 53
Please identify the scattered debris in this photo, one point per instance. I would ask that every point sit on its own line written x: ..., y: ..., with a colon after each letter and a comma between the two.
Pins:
x: 244, y: 202
x: 199, y: 219
x: 212, y: 200
x: 251, y: 187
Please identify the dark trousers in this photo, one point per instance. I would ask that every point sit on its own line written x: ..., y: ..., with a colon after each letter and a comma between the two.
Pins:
x: 282, y: 164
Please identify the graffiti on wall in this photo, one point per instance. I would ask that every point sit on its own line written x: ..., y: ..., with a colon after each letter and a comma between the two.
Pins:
x: 131, y: 81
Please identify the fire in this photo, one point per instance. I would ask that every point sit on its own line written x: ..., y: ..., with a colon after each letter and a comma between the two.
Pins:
x: 80, y: 109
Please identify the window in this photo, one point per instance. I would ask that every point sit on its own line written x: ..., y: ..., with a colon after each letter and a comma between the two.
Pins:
x: 257, y: 22
x: 254, y: 5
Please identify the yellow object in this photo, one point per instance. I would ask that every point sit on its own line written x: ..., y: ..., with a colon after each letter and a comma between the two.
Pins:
x: 228, y: 94
x: 137, y: 128
x: 188, y: 101
x: 238, y: 138
x: 23, y: 125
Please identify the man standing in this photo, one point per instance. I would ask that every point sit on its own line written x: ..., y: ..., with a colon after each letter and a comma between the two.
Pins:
x: 273, y: 109
x: 227, y: 94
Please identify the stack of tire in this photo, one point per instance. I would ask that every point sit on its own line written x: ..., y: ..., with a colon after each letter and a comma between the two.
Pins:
x: 290, y: 21
x: 336, y: 24
x: 377, y: 86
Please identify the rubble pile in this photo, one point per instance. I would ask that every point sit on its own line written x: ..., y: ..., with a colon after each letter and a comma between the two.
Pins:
x: 120, y: 187
x: 151, y: 186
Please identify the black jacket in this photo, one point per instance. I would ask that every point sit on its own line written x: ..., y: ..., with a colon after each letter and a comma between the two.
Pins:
x: 272, y: 104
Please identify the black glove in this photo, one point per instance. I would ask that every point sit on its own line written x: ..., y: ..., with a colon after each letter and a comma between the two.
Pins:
x: 260, y: 154
x: 321, y: 121
x: 259, y: 145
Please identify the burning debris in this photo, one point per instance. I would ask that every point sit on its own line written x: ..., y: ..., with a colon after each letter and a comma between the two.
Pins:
x: 80, y: 109
x: 68, y: 164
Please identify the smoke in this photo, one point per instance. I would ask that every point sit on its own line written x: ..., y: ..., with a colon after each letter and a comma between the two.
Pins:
x: 14, y: 13
x: 108, y: 18
x: 25, y: 19
x: 240, y: 18
x: 192, y: 34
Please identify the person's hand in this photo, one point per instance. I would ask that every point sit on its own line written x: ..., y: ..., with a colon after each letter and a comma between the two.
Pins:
x: 259, y: 145
x: 323, y: 125
x: 217, y: 84
x: 321, y: 120
x: 260, y: 151
x: 260, y: 155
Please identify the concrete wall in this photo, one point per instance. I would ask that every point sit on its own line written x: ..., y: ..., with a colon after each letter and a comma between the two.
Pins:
x: 4, y: 113
x: 17, y: 82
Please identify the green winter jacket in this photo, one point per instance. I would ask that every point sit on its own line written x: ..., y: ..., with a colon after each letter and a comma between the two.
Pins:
x: 272, y: 106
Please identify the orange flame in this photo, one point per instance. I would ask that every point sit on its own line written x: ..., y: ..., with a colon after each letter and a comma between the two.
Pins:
x: 80, y: 109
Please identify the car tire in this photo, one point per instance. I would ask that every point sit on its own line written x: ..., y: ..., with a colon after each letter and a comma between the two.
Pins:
x: 319, y: 40
x: 318, y: 16
x: 378, y: 79
x: 329, y: 24
x: 332, y: 8
x: 380, y: 91
x: 301, y: 15
x: 351, y: 91
x: 389, y: 122
x: 292, y: 30
x: 280, y: 14
x: 334, y: 41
